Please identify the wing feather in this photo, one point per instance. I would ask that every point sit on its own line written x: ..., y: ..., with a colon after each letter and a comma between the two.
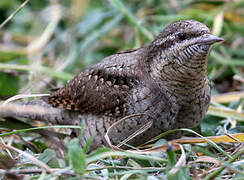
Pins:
x: 101, y: 88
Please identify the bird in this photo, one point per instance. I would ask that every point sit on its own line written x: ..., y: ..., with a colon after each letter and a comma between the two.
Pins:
x: 139, y: 94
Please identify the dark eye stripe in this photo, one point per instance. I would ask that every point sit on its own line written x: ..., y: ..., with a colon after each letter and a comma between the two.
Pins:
x: 172, y: 41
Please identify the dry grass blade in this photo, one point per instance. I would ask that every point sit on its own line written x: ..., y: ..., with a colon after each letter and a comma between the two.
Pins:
x: 31, y: 158
x: 216, y: 139
x: 236, y: 138
x: 207, y: 159
x: 37, y: 45
x: 220, y: 112
x: 139, y: 131
x: 232, y: 137
x: 20, y: 96
x: 181, y: 162
x: 159, y: 149
x: 32, y: 171
x: 14, y: 13
x: 218, y: 24
x: 228, y: 97
x: 215, y: 173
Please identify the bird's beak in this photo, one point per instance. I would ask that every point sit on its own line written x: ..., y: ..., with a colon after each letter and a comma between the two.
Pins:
x: 210, y: 39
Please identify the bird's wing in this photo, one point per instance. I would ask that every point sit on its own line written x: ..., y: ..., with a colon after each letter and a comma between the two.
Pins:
x: 101, y: 88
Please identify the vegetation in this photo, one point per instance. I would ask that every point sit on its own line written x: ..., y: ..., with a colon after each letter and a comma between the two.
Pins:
x: 44, y: 43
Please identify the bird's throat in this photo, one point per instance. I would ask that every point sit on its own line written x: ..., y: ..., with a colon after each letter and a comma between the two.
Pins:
x: 182, y: 75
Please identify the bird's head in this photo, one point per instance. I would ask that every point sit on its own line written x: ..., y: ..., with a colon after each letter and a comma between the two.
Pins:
x: 184, y: 45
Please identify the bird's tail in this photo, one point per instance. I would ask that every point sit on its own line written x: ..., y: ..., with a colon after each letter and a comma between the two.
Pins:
x: 47, y: 108
x: 37, y: 110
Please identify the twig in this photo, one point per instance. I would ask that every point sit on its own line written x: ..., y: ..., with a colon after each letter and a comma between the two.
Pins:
x: 180, y: 163
x: 219, y: 170
x: 30, y: 157
x: 127, y: 168
x: 21, y: 96
x: 31, y: 171
x: 232, y: 137
x: 139, y: 131
x: 14, y: 13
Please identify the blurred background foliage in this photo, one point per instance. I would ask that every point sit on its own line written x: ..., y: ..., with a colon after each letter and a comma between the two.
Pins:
x: 49, y: 41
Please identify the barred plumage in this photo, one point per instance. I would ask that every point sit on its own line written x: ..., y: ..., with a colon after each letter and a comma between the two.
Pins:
x: 166, y: 80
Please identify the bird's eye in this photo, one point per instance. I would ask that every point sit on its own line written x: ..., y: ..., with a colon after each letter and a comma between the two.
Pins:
x: 181, y: 36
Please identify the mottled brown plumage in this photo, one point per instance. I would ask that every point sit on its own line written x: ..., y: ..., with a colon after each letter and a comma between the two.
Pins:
x: 166, y: 80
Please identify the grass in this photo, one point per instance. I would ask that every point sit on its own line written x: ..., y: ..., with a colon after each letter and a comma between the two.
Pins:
x: 44, y: 43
